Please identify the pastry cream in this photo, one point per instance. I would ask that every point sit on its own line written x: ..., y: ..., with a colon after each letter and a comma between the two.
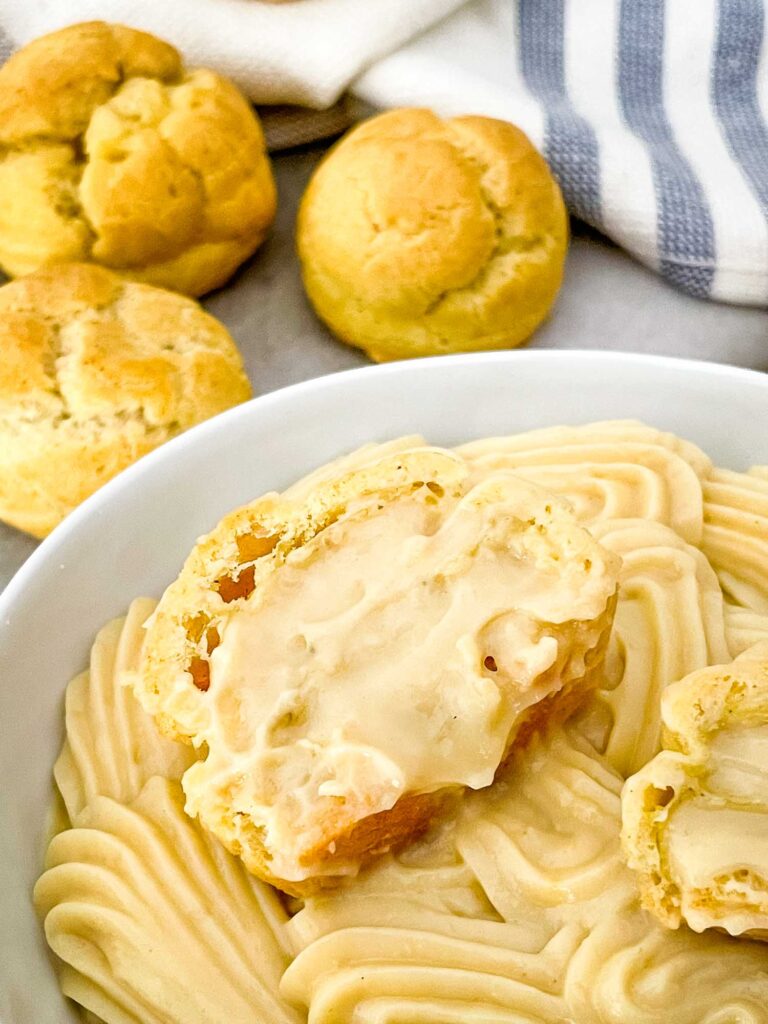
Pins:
x: 736, y: 534
x: 726, y: 830
x: 669, y: 621
x: 111, y: 746
x: 706, y: 839
x: 153, y: 921
x: 744, y: 628
x: 516, y: 908
x: 394, y: 653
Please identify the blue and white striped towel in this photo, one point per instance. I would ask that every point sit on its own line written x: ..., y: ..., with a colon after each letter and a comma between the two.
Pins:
x: 653, y: 113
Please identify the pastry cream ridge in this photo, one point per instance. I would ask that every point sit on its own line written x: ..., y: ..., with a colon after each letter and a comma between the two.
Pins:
x: 735, y: 536
x: 518, y: 909
x: 394, y: 654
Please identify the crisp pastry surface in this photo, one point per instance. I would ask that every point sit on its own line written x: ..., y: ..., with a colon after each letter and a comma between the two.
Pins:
x: 348, y: 659
x: 695, y: 818
x: 96, y: 372
x: 114, y: 152
x: 419, y: 235
x: 515, y: 907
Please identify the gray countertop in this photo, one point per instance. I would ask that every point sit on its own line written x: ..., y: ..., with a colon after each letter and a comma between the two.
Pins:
x: 607, y: 301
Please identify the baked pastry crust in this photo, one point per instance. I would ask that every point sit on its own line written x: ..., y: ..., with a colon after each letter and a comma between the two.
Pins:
x: 113, y: 152
x: 240, y: 559
x: 96, y: 372
x: 695, y: 818
x: 419, y: 236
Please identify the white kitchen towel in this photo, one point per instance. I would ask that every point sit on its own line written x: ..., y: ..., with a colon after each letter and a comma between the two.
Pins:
x: 302, y: 52
x: 652, y: 113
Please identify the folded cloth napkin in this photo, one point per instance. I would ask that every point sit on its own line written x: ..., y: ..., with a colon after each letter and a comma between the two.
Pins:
x: 652, y: 114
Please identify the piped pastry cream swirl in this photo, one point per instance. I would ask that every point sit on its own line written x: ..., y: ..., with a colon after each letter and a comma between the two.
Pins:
x: 744, y: 628
x: 736, y: 534
x: 152, y: 920
x: 403, y: 631
x: 619, y: 469
x: 112, y: 747
x: 669, y: 621
x: 155, y: 922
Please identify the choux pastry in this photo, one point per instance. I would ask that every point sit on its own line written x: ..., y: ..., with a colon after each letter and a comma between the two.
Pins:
x: 95, y: 372
x: 113, y: 152
x: 420, y: 236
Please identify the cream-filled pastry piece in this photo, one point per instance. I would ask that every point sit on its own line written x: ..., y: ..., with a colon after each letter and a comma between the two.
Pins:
x: 347, y: 660
x: 516, y: 905
x: 695, y: 819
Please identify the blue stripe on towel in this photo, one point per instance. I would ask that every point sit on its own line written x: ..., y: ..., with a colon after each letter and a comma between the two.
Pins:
x: 684, y: 223
x: 734, y: 89
x: 6, y: 46
x: 570, y: 141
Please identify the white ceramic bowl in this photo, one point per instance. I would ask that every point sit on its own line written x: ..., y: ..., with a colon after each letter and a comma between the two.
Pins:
x: 132, y: 537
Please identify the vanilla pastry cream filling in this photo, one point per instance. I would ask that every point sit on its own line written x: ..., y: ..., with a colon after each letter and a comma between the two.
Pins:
x: 393, y: 653
x: 517, y: 909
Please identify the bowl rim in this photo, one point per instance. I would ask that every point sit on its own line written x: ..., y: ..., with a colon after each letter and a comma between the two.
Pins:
x: 111, y: 490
